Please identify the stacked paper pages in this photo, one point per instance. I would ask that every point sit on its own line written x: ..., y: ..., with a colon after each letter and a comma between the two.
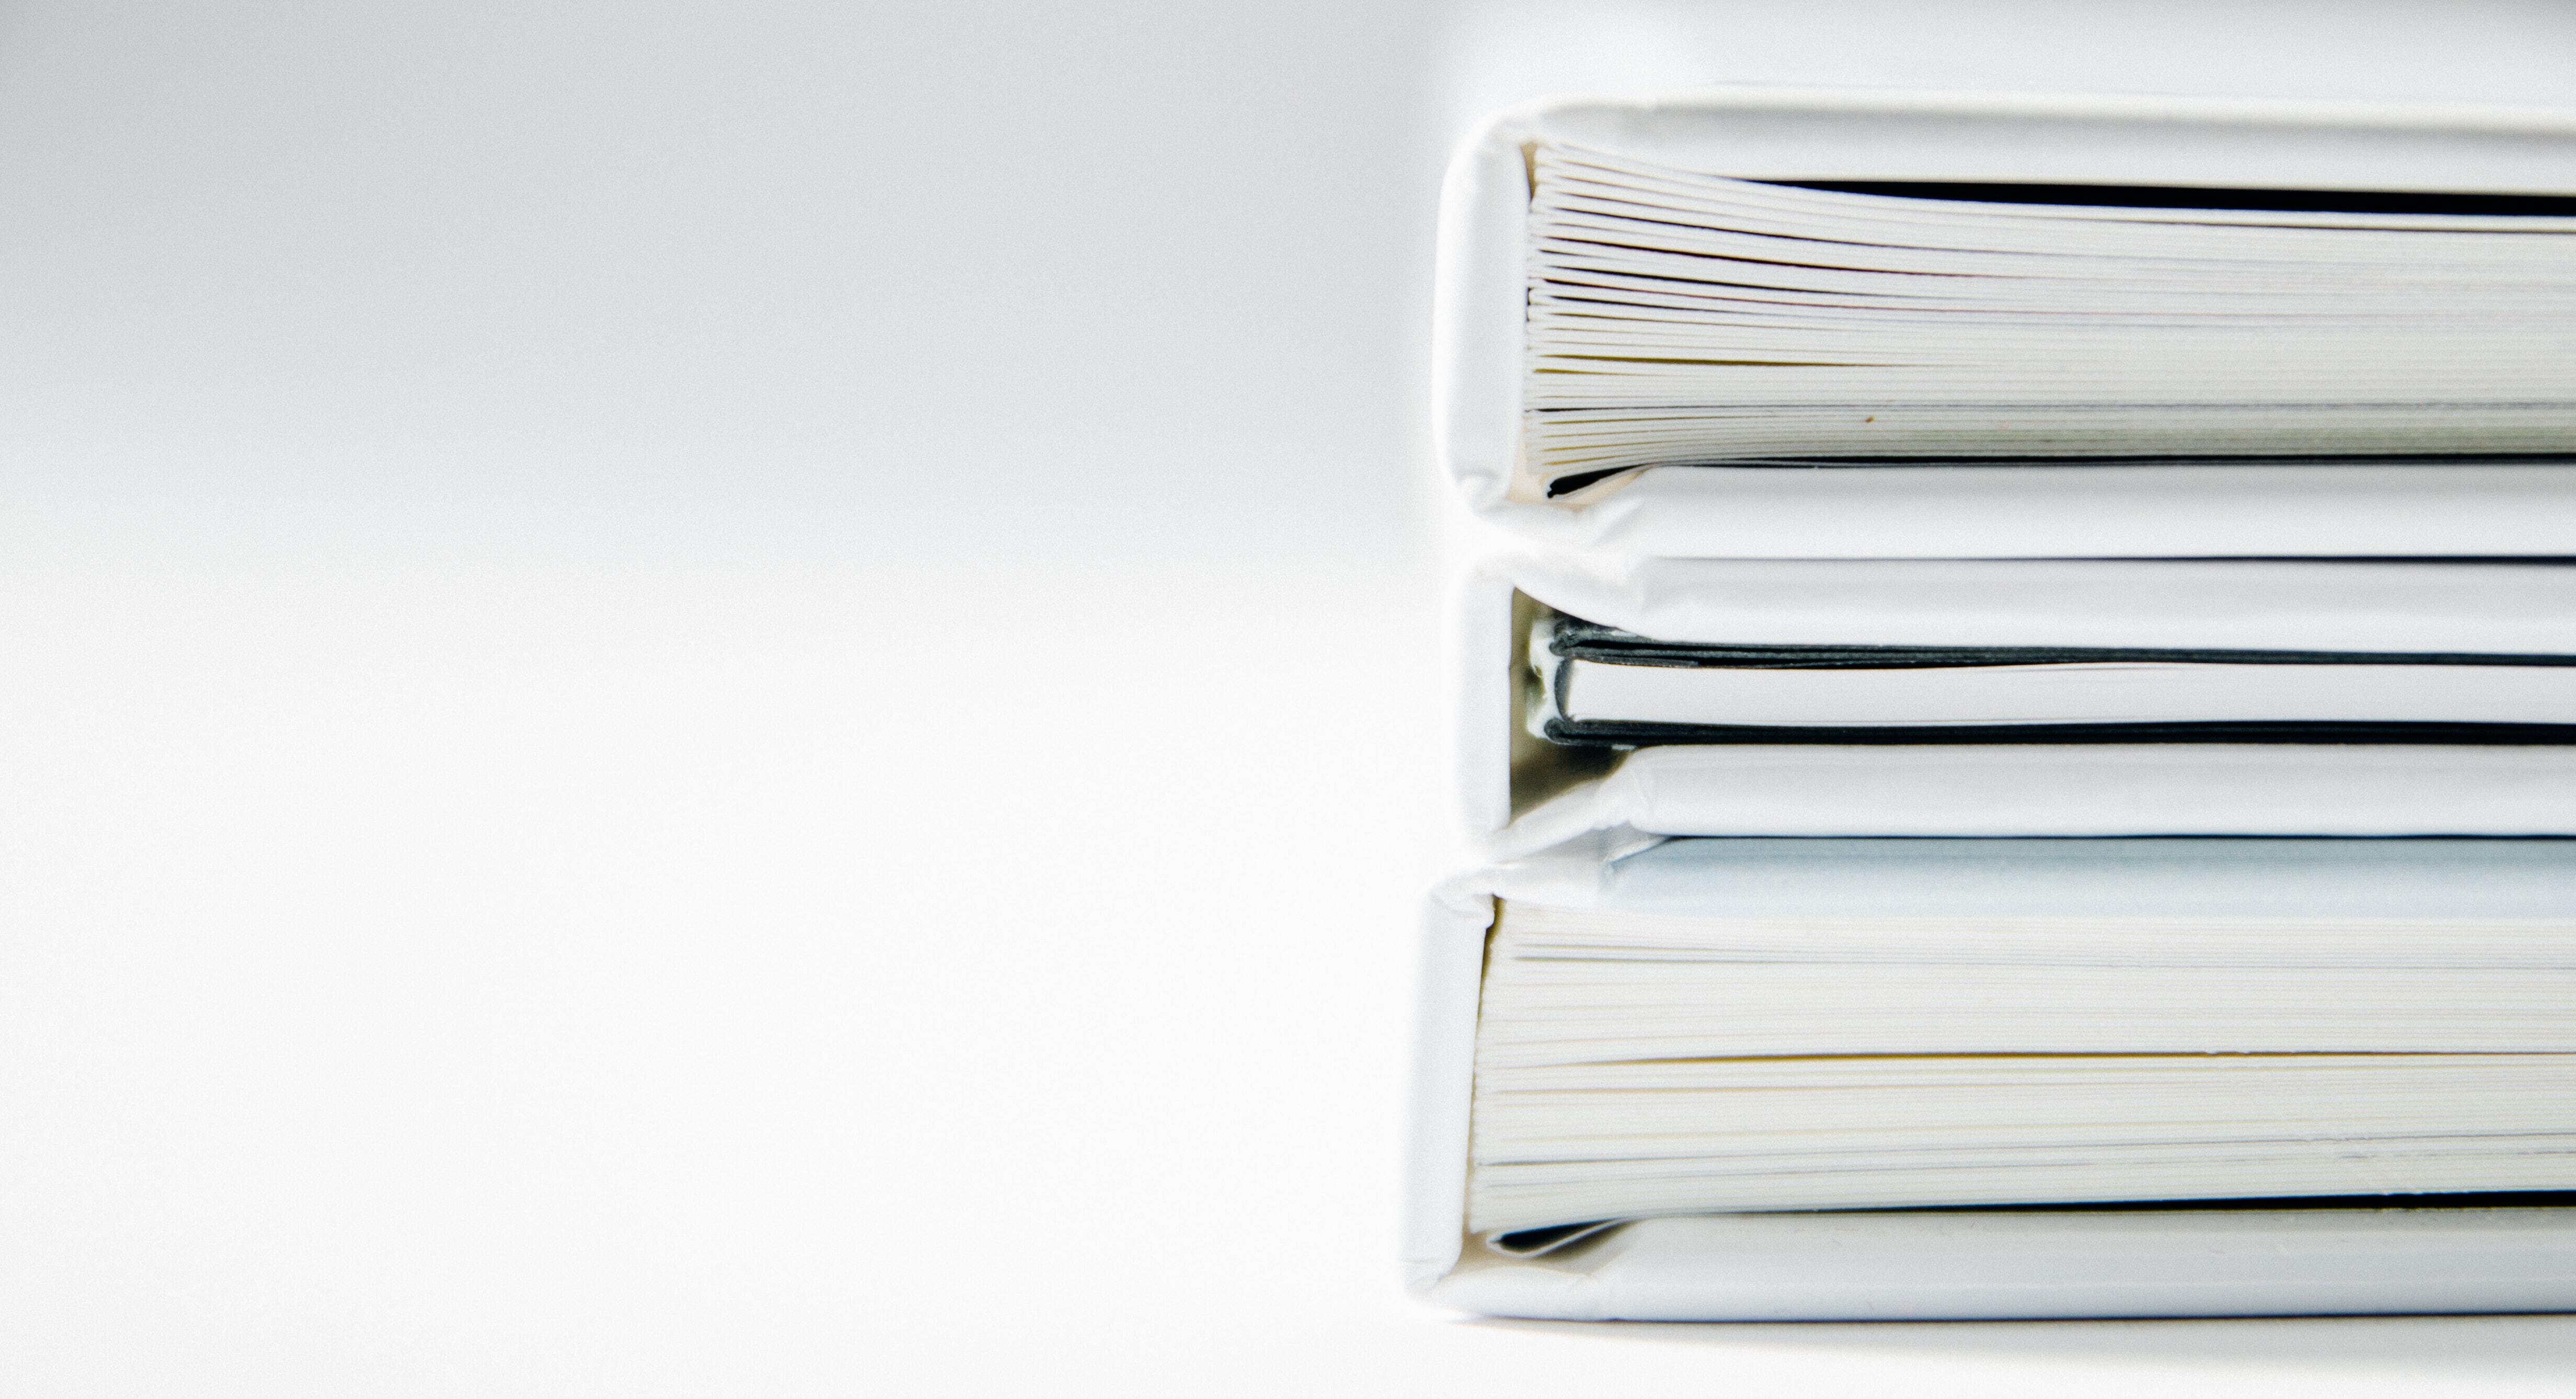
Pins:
x: 1685, y: 318
x: 1768, y: 1024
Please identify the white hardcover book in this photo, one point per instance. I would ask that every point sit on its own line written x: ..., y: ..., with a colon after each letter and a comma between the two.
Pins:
x: 1793, y: 1078
x: 1715, y: 697
x: 1794, y: 324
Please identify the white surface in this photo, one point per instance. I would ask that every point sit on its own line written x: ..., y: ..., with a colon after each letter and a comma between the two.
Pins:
x: 468, y: 929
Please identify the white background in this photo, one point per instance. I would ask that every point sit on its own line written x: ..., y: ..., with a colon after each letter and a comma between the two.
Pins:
x: 657, y: 697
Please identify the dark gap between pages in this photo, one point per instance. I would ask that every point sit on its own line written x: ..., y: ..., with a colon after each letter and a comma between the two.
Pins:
x: 1569, y: 484
x: 2288, y: 201
x: 1602, y: 733
x: 1530, y: 1243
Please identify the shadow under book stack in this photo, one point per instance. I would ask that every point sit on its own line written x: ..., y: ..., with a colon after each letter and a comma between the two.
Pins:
x: 2026, y: 732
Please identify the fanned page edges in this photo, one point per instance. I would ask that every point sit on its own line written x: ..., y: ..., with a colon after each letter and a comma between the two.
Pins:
x: 1686, y: 319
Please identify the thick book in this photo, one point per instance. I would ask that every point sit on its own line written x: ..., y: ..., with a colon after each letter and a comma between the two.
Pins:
x: 2016, y: 698
x: 1678, y: 317
x: 1801, y: 324
x: 1602, y: 686
x: 1802, y: 1051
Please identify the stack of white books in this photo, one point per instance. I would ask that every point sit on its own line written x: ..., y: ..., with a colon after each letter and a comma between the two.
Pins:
x: 2026, y: 739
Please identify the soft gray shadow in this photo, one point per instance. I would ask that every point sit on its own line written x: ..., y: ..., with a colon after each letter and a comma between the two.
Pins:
x: 2455, y: 1346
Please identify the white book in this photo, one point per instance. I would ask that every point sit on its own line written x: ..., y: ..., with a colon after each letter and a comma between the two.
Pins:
x: 1681, y: 318
x: 2357, y: 717
x: 1601, y: 685
x: 2363, y: 1046
x: 1783, y: 323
